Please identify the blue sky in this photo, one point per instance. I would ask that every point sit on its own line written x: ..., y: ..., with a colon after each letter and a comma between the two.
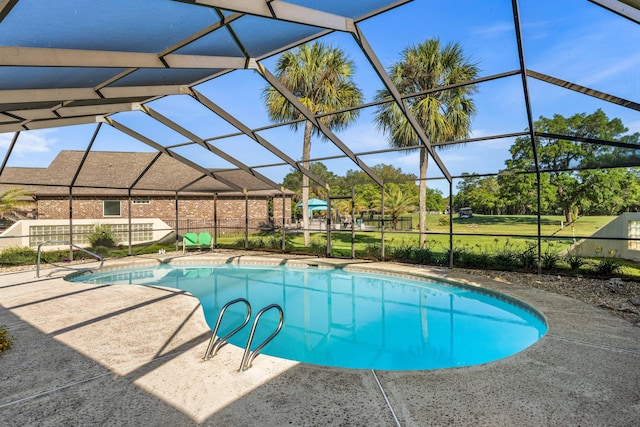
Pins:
x: 574, y: 40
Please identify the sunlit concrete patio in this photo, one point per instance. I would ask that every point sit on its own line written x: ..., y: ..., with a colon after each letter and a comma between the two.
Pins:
x: 131, y: 355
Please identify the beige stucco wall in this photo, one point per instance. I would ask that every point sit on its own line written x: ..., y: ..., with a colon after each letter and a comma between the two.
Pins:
x: 18, y: 234
x: 618, y: 228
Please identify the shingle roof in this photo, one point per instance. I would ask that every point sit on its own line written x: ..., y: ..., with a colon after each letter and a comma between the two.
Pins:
x: 112, y: 173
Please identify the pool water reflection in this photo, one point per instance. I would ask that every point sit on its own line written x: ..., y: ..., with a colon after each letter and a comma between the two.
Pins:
x: 351, y: 319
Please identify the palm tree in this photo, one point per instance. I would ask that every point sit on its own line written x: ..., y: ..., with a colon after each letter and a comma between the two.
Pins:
x: 11, y: 203
x: 321, y: 77
x: 396, y: 203
x: 444, y: 115
x: 345, y: 207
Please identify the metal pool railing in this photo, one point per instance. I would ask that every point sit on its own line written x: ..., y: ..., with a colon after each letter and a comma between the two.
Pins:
x: 65, y: 267
x: 216, y: 343
x: 249, y: 355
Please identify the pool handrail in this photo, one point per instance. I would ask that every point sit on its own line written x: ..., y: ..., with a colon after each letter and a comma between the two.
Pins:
x: 248, y: 356
x: 68, y: 268
x: 217, y: 344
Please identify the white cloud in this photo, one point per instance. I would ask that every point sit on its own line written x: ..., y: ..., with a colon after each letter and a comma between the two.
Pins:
x: 490, y: 144
x: 409, y: 163
x: 31, y: 142
x: 633, y: 126
x: 451, y: 158
x: 613, y: 70
x: 363, y: 137
x: 588, y: 54
x: 538, y: 30
x: 478, y: 133
x: 499, y: 29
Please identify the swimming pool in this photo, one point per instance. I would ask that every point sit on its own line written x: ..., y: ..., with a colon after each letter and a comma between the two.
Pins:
x: 342, y: 318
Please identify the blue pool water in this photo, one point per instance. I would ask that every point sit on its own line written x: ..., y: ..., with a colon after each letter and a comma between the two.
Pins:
x: 350, y: 319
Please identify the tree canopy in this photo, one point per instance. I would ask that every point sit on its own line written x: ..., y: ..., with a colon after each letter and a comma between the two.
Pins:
x: 321, y: 78
x: 367, y: 193
x: 444, y: 115
x: 582, y: 171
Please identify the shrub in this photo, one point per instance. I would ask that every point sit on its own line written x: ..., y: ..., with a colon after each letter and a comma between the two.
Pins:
x: 422, y: 255
x: 103, y: 251
x: 318, y: 248
x: 606, y: 266
x: 6, y: 340
x: 102, y: 236
x: 238, y: 243
x: 468, y: 258
x: 505, y: 260
x: 274, y: 241
x: 58, y: 256
x: 372, y: 251
x: 404, y: 252
x: 455, y: 254
x: 549, y: 260
x: 443, y: 220
x: 152, y: 248
x: 256, y: 243
x: 528, y: 259
x: 575, y: 262
x: 607, y: 263
x: 441, y: 258
x: 407, y: 253
x: 18, y: 256
x: 270, y: 241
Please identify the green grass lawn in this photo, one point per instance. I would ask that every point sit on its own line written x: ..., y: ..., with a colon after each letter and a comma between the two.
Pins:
x: 482, y: 232
x: 550, y: 225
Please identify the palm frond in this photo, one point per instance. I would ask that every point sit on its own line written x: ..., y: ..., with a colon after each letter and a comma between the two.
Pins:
x: 321, y: 77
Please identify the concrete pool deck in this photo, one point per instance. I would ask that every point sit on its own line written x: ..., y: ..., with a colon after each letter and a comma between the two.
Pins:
x: 132, y: 355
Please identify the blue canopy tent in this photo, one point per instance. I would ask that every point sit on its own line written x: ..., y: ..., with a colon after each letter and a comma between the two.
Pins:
x: 315, y: 205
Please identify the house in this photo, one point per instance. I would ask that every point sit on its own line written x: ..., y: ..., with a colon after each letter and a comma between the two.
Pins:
x: 113, y: 187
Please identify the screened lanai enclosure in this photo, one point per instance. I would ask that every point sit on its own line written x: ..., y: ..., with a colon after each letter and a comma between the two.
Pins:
x: 157, y: 118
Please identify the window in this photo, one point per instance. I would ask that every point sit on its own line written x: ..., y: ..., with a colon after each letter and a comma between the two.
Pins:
x: 81, y: 232
x: 111, y: 208
x: 634, y: 233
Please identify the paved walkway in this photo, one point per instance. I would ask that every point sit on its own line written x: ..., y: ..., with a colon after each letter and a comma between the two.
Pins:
x: 89, y: 355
